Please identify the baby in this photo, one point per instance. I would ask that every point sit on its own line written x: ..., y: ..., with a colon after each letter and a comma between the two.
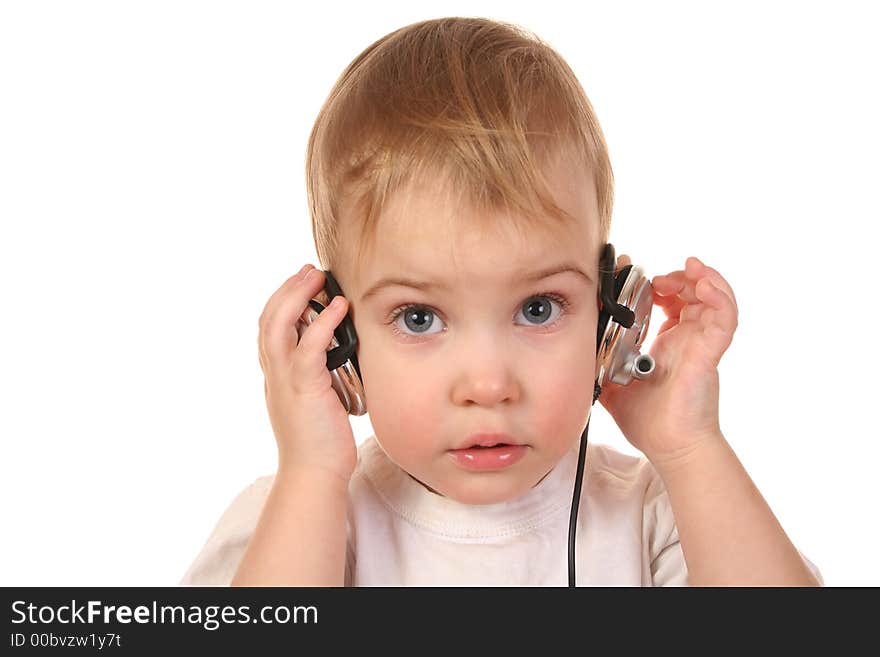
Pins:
x: 460, y: 193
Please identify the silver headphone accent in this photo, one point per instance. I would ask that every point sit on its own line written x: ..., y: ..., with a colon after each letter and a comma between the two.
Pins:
x: 346, y: 382
x: 618, y: 359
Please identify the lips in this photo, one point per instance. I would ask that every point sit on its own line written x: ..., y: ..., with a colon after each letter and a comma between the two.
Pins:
x: 485, y: 440
x: 476, y: 457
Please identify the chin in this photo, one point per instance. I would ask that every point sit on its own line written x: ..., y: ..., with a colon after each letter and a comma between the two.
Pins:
x: 487, y: 488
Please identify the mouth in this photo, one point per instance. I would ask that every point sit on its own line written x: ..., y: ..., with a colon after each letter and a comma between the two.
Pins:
x: 488, y: 453
x: 487, y: 441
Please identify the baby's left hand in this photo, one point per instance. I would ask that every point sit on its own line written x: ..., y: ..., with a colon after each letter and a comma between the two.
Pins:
x: 676, y: 406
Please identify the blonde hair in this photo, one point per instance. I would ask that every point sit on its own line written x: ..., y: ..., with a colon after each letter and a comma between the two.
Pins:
x: 477, y: 103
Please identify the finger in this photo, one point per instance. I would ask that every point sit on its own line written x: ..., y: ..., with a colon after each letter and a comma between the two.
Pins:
x: 683, y: 282
x: 677, y: 294
x: 696, y: 269
x: 283, y: 290
x: 311, y: 353
x: 278, y: 333
x: 260, y: 354
x: 291, y: 308
x: 692, y: 312
x: 721, y: 312
x: 718, y: 321
x: 671, y: 305
x: 675, y: 283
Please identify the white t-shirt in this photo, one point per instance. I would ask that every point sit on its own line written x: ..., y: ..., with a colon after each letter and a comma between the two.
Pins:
x: 401, y: 534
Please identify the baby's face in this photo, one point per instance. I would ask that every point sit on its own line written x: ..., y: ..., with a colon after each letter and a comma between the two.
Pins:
x: 484, y: 348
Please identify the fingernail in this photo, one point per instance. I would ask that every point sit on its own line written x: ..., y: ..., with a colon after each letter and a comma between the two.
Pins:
x: 311, y: 272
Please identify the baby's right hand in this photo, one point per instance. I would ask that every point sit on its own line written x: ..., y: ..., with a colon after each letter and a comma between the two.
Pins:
x: 310, y: 423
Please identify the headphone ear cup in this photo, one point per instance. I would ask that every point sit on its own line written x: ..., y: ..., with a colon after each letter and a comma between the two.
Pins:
x: 342, y: 360
x: 604, y: 318
x: 618, y: 359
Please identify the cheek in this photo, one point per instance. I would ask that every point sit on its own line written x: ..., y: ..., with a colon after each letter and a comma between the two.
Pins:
x: 561, y: 393
x: 393, y: 379
x: 402, y: 403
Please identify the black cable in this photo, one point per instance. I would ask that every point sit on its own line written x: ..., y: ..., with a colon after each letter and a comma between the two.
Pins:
x: 576, y: 497
x: 575, y: 500
x: 609, y: 290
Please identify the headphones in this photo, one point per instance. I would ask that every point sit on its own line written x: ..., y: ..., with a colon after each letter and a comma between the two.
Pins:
x: 626, y: 300
x: 342, y: 361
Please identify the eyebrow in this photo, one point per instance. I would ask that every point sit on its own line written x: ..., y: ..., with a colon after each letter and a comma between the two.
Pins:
x: 436, y: 285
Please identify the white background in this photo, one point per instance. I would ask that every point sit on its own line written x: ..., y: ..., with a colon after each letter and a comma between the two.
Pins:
x: 152, y: 197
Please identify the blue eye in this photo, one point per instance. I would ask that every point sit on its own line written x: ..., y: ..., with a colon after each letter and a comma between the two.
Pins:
x: 419, y: 319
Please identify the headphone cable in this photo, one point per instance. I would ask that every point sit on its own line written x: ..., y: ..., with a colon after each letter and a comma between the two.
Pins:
x: 576, y: 497
x: 572, y: 523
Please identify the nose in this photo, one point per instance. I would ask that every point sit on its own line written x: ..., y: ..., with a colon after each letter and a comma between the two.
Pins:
x: 485, y: 391
x: 487, y: 377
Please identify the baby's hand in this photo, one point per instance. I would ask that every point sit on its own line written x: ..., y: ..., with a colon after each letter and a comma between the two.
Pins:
x: 309, y: 421
x: 674, y: 408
